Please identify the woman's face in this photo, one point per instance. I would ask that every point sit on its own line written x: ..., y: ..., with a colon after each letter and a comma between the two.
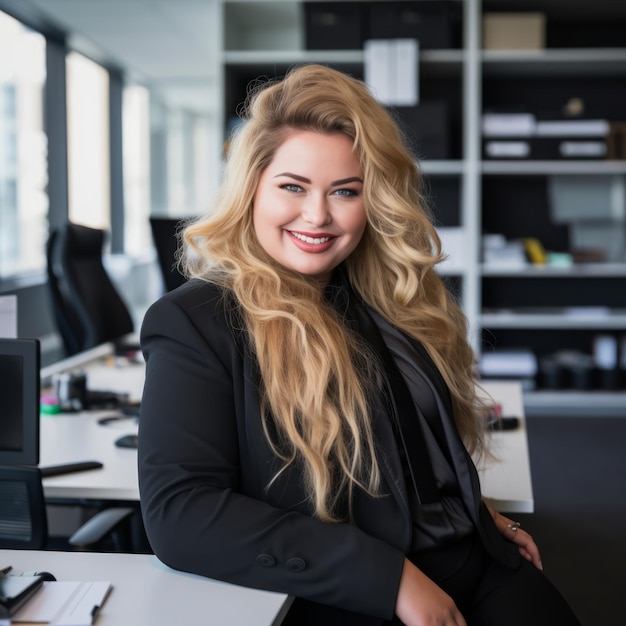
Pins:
x: 309, y: 213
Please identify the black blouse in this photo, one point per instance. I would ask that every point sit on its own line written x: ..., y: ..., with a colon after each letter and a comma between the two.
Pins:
x: 445, y: 521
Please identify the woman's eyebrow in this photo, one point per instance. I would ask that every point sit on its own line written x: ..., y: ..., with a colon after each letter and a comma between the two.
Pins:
x: 345, y: 181
x: 302, y: 179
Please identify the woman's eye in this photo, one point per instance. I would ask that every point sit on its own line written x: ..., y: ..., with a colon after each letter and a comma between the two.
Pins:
x: 346, y: 192
x: 291, y: 187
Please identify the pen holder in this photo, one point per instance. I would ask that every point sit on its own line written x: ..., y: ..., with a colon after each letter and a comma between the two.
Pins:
x: 71, y: 390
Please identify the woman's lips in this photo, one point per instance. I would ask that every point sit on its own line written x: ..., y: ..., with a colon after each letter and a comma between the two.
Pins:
x: 313, y: 243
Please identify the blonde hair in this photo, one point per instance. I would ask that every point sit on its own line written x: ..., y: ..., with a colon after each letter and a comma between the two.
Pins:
x: 316, y: 376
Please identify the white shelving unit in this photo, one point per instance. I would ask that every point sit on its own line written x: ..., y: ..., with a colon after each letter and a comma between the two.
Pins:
x: 266, y: 37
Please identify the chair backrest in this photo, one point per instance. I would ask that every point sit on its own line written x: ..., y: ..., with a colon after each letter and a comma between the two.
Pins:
x: 65, y: 317
x: 23, y: 521
x: 97, y: 311
x: 165, y: 232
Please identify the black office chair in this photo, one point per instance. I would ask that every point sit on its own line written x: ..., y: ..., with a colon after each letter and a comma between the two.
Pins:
x: 87, y: 306
x: 65, y: 318
x: 165, y: 234
x: 23, y: 517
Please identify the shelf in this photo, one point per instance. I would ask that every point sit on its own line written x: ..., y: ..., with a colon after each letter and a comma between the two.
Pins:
x: 572, y: 62
x: 289, y: 57
x: 442, y: 61
x: 441, y: 168
x: 568, y: 403
x: 546, y: 168
x: 583, y: 270
x: 559, y: 321
x: 266, y: 37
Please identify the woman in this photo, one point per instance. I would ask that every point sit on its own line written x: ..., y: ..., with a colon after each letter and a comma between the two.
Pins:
x: 310, y: 395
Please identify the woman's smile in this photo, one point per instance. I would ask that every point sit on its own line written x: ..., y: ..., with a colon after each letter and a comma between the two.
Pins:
x: 309, y: 212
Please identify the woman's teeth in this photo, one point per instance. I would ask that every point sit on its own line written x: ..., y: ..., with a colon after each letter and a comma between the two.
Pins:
x: 315, y: 240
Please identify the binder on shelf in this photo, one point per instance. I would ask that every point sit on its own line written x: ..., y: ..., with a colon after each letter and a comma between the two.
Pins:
x: 391, y: 70
x: 334, y: 25
x: 573, y: 128
x: 510, y: 364
x: 427, y: 128
x: 435, y: 23
x: 546, y: 148
x: 522, y: 136
x: 506, y: 149
x: 514, y: 31
x: 508, y: 124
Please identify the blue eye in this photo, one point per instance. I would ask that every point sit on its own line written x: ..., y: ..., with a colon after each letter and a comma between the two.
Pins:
x: 291, y: 187
x: 346, y: 192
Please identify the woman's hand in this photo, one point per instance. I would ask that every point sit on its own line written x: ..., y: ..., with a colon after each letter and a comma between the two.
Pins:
x: 421, y: 602
x: 511, y: 530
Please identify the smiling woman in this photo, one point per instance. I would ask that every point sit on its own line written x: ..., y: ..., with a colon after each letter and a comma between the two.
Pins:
x: 309, y: 406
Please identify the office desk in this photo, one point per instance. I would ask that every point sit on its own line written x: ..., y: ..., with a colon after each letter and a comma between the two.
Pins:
x: 69, y: 437
x: 75, y: 437
x: 78, y: 437
x: 507, y: 481
x: 147, y: 593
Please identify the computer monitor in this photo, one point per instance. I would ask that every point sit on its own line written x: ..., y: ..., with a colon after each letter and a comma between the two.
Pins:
x: 19, y: 401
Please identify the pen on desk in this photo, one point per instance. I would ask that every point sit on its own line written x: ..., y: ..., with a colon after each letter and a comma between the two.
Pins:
x: 6, y: 569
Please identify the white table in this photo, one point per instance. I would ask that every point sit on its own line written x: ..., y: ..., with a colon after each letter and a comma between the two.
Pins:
x: 507, y: 481
x: 69, y: 437
x: 147, y: 593
x: 74, y: 437
x: 66, y: 438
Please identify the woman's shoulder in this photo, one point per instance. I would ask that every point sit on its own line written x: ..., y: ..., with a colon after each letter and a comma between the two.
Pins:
x: 196, y: 299
x: 196, y: 291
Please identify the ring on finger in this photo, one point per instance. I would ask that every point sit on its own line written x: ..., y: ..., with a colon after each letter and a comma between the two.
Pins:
x: 513, y: 526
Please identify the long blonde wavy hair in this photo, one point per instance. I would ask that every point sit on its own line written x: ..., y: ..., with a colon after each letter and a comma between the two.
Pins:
x: 314, y: 393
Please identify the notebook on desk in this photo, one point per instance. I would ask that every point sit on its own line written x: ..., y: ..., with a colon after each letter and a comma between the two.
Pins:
x: 64, y: 603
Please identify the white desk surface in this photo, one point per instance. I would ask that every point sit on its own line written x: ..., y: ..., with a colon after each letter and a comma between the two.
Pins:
x: 507, y: 481
x: 69, y: 437
x: 66, y: 438
x: 76, y: 437
x: 147, y: 593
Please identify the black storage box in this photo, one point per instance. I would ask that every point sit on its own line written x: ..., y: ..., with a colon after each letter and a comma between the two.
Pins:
x: 434, y: 23
x: 426, y: 127
x: 334, y: 25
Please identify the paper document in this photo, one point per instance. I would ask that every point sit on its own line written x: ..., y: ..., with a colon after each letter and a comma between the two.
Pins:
x: 8, y: 316
x: 64, y: 603
x: 391, y: 70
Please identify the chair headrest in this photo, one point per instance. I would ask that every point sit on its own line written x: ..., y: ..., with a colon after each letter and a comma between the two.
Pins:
x: 81, y: 241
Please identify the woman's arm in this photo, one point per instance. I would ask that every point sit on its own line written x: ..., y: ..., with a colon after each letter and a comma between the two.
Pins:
x: 193, y: 430
x: 421, y: 602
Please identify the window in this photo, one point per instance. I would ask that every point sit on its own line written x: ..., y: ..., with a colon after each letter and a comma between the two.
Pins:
x: 136, y: 146
x: 23, y: 149
x: 89, y: 192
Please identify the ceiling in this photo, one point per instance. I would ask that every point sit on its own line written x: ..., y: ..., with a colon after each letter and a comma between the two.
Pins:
x: 171, y: 45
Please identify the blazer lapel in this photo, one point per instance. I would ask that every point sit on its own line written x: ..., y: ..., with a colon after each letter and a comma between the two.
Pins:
x: 344, y: 300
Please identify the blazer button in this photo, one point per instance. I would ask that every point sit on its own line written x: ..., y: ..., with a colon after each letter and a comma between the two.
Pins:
x: 266, y: 560
x: 296, y: 564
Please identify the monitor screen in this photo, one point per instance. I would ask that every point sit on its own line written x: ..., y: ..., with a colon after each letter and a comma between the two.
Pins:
x: 19, y: 401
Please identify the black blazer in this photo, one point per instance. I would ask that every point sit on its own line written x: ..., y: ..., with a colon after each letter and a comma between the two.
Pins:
x: 205, y: 466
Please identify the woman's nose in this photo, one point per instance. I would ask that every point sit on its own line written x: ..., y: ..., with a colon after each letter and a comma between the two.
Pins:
x: 315, y: 211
